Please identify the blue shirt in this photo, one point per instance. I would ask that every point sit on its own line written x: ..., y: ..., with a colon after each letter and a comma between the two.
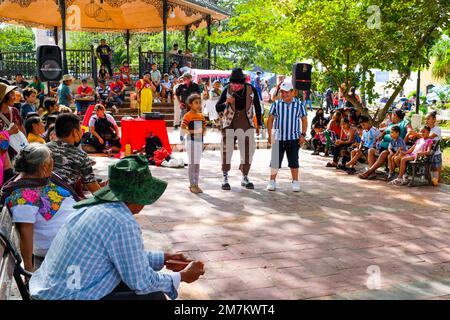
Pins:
x: 257, y: 81
x: 26, y: 109
x: 387, y: 133
x: 287, y: 119
x: 395, y: 145
x: 64, y: 94
x: 98, y: 247
x: 369, y: 137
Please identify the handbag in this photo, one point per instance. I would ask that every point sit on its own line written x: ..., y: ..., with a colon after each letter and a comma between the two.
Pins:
x: 152, y: 143
x: 17, y: 141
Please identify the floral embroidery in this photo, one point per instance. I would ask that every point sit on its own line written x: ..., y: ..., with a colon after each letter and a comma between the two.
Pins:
x: 48, y: 199
x: 30, y: 195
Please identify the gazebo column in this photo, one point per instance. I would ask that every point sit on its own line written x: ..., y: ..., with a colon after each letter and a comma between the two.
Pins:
x: 165, y: 9
x: 62, y: 8
x: 208, y: 21
x: 55, y: 34
x: 127, y: 43
x: 186, y: 36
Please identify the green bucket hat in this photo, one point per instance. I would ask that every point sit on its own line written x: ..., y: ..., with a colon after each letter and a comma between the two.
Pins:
x: 130, y: 181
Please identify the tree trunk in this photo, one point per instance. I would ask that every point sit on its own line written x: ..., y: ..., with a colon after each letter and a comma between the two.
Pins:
x: 422, y: 41
x: 399, y: 88
x: 357, y: 104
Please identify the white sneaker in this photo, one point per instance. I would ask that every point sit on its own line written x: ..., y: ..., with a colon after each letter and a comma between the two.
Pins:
x: 272, y: 186
x: 295, y: 186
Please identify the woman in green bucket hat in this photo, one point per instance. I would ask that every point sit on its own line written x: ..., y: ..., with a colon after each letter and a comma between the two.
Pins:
x: 141, y: 188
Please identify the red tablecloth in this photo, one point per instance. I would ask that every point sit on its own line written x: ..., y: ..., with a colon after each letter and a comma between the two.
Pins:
x: 135, y: 131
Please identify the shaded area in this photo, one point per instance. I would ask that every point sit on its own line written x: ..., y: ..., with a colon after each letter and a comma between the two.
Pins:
x: 315, y: 244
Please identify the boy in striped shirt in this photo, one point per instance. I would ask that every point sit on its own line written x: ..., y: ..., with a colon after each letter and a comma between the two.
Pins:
x: 285, y: 116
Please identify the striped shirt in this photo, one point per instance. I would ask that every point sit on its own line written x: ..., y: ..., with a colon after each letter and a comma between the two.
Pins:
x: 190, y: 122
x: 98, y: 247
x: 287, y: 119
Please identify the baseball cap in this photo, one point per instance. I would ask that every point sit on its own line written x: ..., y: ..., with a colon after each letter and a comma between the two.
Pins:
x: 287, y: 85
x: 186, y: 75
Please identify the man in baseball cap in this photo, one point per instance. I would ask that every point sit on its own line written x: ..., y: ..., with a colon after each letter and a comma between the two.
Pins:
x: 183, y: 91
x: 288, y: 135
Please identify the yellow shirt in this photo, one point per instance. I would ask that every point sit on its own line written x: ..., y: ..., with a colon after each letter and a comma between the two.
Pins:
x: 35, y: 138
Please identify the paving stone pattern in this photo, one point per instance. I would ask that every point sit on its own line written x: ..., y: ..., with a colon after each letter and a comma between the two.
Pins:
x: 316, y: 244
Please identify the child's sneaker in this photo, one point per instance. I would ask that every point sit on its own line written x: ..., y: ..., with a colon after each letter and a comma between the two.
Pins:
x: 396, y: 182
x: 246, y: 183
x: 296, y: 186
x: 391, y: 176
x: 195, y: 189
x: 272, y: 186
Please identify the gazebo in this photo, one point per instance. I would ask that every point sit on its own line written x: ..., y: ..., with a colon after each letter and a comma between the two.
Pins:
x: 125, y: 16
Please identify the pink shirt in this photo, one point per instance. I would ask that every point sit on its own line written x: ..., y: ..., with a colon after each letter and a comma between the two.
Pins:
x: 421, y: 145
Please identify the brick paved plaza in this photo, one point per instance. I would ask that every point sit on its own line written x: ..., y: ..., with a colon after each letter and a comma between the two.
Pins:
x: 316, y: 244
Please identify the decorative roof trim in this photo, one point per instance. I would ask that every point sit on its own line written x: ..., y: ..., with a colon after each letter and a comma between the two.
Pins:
x: 210, y: 6
x: 50, y: 27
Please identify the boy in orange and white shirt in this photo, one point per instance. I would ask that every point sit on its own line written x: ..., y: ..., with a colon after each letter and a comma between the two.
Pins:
x: 194, y: 126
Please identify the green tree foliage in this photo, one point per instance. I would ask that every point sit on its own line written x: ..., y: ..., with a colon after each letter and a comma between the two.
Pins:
x: 344, y: 36
x: 16, y: 38
x: 441, y: 53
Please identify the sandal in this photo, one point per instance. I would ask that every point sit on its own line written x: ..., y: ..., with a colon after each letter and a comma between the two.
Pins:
x: 372, y: 176
x: 366, y: 176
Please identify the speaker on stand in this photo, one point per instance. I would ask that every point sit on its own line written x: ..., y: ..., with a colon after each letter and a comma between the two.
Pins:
x: 49, y: 63
x: 301, y: 76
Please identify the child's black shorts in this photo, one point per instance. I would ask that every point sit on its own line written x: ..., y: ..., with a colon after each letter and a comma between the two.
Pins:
x: 279, y: 148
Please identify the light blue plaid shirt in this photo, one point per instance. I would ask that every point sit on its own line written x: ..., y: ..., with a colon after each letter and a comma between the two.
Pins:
x: 97, y: 248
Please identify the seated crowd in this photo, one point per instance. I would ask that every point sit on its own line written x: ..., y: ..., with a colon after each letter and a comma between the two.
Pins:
x: 350, y: 138
x: 34, y: 117
x: 44, y: 188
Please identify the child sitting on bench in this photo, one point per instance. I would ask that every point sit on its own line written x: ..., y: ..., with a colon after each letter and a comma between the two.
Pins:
x: 422, y: 147
x: 323, y: 140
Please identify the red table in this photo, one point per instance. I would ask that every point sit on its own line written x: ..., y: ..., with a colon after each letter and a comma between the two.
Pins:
x: 135, y: 131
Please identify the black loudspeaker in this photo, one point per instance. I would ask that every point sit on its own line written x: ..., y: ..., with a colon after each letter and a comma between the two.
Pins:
x: 301, y: 76
x: 49, y: 63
